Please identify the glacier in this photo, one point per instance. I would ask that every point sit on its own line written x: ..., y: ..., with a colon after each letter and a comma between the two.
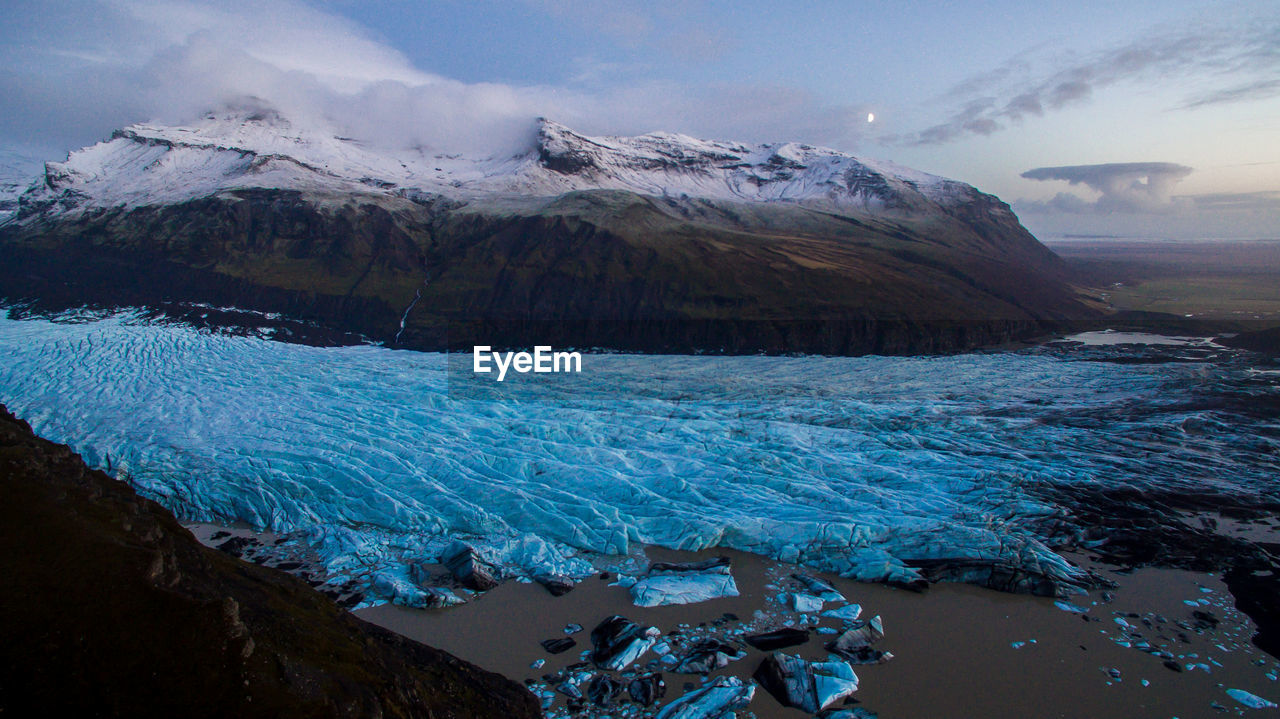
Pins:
x: 857, y: 466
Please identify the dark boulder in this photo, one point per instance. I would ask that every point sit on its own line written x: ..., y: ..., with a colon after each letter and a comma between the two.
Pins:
x: 778, y: 639
x: 647, y: 689
x: 557, y: 585
x: 559, y: 644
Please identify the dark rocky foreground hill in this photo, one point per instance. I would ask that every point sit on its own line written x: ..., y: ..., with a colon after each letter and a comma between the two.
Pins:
x: 112, y: 609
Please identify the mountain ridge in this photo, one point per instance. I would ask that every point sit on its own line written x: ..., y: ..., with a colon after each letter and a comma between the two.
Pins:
x: 242, y: 148
x: 640, y: 241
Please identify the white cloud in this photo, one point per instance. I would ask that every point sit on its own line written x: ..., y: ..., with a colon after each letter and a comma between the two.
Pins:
x: 172, y: 60
x: 1136, y: 199
x: 1122, y: 186
x: 1243, y: 54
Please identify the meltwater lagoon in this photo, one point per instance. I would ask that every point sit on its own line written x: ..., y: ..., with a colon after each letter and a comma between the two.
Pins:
x: 874, y: 468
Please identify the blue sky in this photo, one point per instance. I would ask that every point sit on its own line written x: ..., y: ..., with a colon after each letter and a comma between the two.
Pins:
x: 1167, y: 113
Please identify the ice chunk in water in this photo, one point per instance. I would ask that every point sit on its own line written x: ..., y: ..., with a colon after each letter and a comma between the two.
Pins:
x: 819, y: 588
x: 859, y: 637
x: 404, y: 592
x: 808, y: 686
x: 713, y: 701
x: 647, y: 689
x: 805, y: 603
x: 684, y: 583
x: 848, y: 613
x: 1253, y: 701
x: 707, y: 656
x: 465, y: 564
x: 715, y: 565
x: 854, y: 713
x: 665, y: 589
x: 618, y: 641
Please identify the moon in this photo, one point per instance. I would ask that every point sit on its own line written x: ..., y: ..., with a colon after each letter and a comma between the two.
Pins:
x: 871, y: 117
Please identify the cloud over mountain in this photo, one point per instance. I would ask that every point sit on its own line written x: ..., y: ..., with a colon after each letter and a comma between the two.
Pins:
x: 172, y: 60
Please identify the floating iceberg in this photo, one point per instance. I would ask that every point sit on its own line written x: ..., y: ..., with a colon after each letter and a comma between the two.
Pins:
x: 865, y: 635
x: 465, y: 565
x: 808, y: 686
x: 1253, y: 701
x: 707, y: 656
x: 689, y: 588
x: 854, y: 713
x: 406, y: 593
x: 848, y: 613
x: 603, y: 689
x: 819, y: 588
x: 717, y: 699
x: 618, y: 641
x: 559, y: 644
x: 683, y: 583
x: 1069, y: 607
x: 804, y: 603
x: 647, y: 689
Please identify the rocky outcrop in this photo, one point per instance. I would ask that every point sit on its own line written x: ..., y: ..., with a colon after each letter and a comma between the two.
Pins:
x: 111, y: 608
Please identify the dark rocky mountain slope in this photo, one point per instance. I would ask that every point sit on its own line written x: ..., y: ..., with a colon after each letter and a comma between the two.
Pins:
x: 113, y: 609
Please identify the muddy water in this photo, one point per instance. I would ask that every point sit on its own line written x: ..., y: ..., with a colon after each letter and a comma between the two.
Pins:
x: 953, y: 645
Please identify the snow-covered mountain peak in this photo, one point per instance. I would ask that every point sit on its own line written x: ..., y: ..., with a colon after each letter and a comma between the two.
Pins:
x: 660, y: 163
x: 251, y: 145
x: 17, y: 171
x: 665, y: 163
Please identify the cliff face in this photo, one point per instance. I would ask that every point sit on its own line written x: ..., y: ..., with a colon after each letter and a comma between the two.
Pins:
x: 654, y: 243
x: 111, y: 608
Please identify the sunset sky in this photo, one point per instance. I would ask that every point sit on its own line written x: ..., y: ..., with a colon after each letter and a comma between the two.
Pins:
x: 1138, y: 118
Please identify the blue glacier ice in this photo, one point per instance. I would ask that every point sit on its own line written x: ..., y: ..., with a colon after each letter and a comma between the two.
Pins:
x: 848, y: 613
x: 716, y: 700
x: 804, y: 603
x: 1253, y: 701
x: 857, y: 466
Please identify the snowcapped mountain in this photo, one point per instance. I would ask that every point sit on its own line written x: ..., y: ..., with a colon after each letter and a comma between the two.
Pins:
x: 150, y: 164
x: 17, y: 172
x: 660, y: 242
x: 668, y: 164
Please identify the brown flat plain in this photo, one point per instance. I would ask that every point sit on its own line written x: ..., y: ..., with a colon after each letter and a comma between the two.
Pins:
x: 1235, y: 280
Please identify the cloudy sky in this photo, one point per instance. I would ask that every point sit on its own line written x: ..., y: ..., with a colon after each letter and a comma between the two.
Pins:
x: 1147, y: 118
